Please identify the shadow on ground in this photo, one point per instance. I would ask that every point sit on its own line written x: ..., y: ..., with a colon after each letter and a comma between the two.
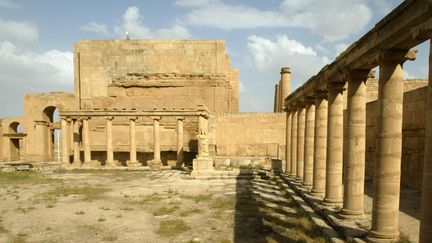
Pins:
x: 264, y: 212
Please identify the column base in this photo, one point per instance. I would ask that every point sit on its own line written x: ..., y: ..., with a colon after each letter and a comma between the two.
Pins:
x: 299, y: 179
x: 375, y: 236
x: 317, y: 193
x: 91, y: 164
x: 307, y: 186
x: 332, y: 202
x: 155, y: 164
x: 111, y: 164
x: 202, y: 164
x: 350, y: 214
x: 133, y: 163
x: 76, y: 164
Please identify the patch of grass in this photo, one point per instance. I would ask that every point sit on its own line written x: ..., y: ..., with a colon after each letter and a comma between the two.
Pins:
x: 26, y: 178
x: 187, y: 213
x: 165, y: 210
x: 173, y: 227
x: 223, y: 203
x: 101, y: 219
x: 110, y: 238
x: 126, y: 208
x: 198, y: 198
x: 24, y: 210
x: 3, y: 229
x: 18, y: 239
x: 88, y: 192
x: 154, y: 197
x: 80, y: 212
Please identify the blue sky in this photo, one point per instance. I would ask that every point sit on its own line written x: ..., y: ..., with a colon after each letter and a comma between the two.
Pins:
x: 37, y: 37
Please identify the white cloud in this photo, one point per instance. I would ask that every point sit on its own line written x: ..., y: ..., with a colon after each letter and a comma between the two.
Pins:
x: 270, y: 55
x: 8, y: 4
x: 21, y: 33
x: 227, y: 17
x: 134, y: 24
x: 95, y: 27
x: 333, y: 20
x: 25, y: 71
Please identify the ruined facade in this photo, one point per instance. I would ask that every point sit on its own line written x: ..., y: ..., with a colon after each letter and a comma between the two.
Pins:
x: 132, y: 86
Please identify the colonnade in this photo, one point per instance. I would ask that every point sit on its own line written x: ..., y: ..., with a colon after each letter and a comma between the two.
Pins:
x: 70, y: 127
x: 315, y: 142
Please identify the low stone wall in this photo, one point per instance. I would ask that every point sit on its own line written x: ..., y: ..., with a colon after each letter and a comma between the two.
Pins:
x: 413, y: 134
x: 248, y: 135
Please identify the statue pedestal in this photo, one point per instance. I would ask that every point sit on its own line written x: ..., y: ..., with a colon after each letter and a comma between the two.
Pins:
x: 202, y: 165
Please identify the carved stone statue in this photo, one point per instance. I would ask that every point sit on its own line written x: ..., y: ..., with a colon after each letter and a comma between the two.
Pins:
x: 203, y: 151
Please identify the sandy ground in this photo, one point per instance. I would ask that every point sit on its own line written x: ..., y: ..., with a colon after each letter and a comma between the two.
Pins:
x: 165, y: 206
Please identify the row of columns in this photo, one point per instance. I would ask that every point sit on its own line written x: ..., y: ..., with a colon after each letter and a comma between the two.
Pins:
x: 315, y: 143
x: 71, y: 138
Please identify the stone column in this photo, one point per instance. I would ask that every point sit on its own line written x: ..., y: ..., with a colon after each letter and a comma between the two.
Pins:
x: 132, y: 143
x: 86, y: 140
x: 180, y: 141
x: 356, y: 145
x: 77, y: 152
x: 71, y: 136
x: 309, y: 142
x: 293, y: 170
x: 387, y: 169
x: 64, y: 143
x: 109, y: 143
x: 334, y: 168
x: 276, y: 99
x: 288, y: 150
x: 300, y: 141
x: 320, y: 143
x: 426, y: 212
x: 285, y: 85
x: 156, y: 163
x: 280, y: 100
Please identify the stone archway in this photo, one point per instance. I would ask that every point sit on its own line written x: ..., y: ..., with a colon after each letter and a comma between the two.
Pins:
x: 50, y: 116
x: 16, y: 135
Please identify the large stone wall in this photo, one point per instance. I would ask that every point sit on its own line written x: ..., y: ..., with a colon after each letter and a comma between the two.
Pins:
x: 148, y: 74
x: 413, y: 133
x: 248, y: 134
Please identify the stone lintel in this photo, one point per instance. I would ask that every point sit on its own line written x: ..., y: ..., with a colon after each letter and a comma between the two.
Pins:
x: 395, y: 55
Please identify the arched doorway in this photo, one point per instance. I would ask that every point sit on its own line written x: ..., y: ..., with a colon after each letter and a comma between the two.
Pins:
x: 53, y: 132
x: 16, y: 135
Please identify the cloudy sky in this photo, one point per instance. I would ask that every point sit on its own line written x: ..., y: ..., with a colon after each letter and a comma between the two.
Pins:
x: 37, y: 37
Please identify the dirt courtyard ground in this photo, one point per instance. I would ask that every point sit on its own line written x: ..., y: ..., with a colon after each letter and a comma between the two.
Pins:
x: 164, y: 206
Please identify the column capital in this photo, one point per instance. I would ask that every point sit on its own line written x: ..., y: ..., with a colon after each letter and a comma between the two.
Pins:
x: 133, y: 118
x: 285, y: 70
x: 181, y: 118
x: 321, y: 94
x: 85, y: 118
x: 360, y: 74
x: 109, y: 118
x: 309, y: 100
x: 156, y: 118
x: 395, y: 55
x: 68, y: 119
x: 337, y: 86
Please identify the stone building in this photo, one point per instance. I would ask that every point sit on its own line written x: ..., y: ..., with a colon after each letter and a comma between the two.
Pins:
x: 141, y: 101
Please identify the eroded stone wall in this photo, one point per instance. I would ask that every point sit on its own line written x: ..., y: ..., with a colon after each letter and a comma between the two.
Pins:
x: 148, y: 74
x: 248, y: 134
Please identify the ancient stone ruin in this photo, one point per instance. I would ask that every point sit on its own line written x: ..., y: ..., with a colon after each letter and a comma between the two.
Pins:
x: 155, y: 105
